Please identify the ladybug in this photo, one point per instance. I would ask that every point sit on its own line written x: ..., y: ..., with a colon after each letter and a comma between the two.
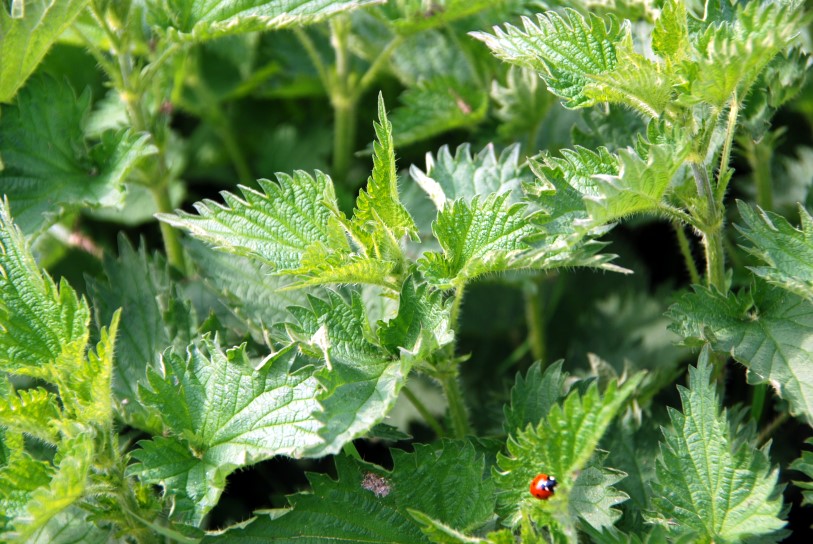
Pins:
x: 542, y: 486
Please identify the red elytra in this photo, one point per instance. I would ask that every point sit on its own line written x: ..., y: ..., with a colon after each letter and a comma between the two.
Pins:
x: 542, y: 486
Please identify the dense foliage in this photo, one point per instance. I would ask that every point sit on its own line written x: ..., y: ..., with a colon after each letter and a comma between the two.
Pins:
x: 391, y: 350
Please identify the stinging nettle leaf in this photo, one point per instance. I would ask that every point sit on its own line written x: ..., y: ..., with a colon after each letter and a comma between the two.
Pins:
x: 361, y: 378
x: 44, y: 329
x: 379, y: 217
x: 27, y: 35
x: 153, y: 318
x: 562, y: 444
x: 444, y: 482
x: 522, y: 105
x: 477, y: 237
x: 729, y: 56
x: 787, y: 251
x: 437, y: 105
x: 533, y: 395
x: 222, y: 415
x: 566, y: 50
x: 464, y: 176
x: 769, y: 330
x: 278, y: 226
x: 49, y: 167
x: 422, y: 325
x: 713, y: 482
x: 199, y: 20
x: 804, y: 464
x: 639, y: 185
x: 293, y: 226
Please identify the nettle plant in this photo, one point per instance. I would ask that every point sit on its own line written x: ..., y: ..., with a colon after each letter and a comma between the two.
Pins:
x: 288, y: 326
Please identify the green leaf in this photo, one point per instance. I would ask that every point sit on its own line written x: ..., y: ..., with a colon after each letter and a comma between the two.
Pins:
x: 422, y: 325
x: 26, y: 35
x: 533, y: 395
x: 20, y: 476
x: 435, y: 106
x: 49, y: 167
x: 477, y: 237
x: 805, y: 464
x: 566, y: 50
x: 522, y: 105
x: 787, y: 251
x: 670, y: 37
x: 562, y: 445
x: 766, y: 329
x: 640, y: 184
x: 564, y: 182
x: 199, y: 20
x: 729, y: 56
x: 223, y: 414
x: 379, y: 217
x: 417, y: 16
x: 35, y: 412
x: 260, y: 225
x: 32, y: 492
x: 446, y: 483
x: 293, y: 226
x: 593, y: 495
x: 440, y: 533
x: 72, y: 526
x: 44, y: 328
x: 636, y: 82
x: 462, y: 176
x: 152, y: 320
x: 361, y: 378
x: 610, y: 186
x: 712, y: 480
x: 246, y: 290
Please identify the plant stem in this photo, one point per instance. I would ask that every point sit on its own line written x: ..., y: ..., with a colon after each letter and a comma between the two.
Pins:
x: 758, y: 401
x: 343, y: 99
x: 457, y: 406
x: 725, y: 155
x: 759, y: 156
x: 457, y: 302
x: 378, y: 64
x: 712, y: 230
x: 448, y: 374
x: 344, y: 136
x: 766, y: 433
x: 715, y: 259
x: 535, y: 319
x: 686, y: 251
x: 131, y: 87
x: 427, y: 416
x: 350, y: 450
x: 172, y: 243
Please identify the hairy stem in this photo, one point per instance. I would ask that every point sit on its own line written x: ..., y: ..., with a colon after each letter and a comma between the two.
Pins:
x: 759, y: 156
x: 686, y: 251
x: 427, y: 416
x: 172, y: 243
x: 766, y: 433
x: 378, y: 64
x: 457, y: 406
x: 725, y: 155
x: 132, y: 89
x: 712, y: 230
x: 343, y: 99
x: 344, y: 136
x: 758, y: 394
